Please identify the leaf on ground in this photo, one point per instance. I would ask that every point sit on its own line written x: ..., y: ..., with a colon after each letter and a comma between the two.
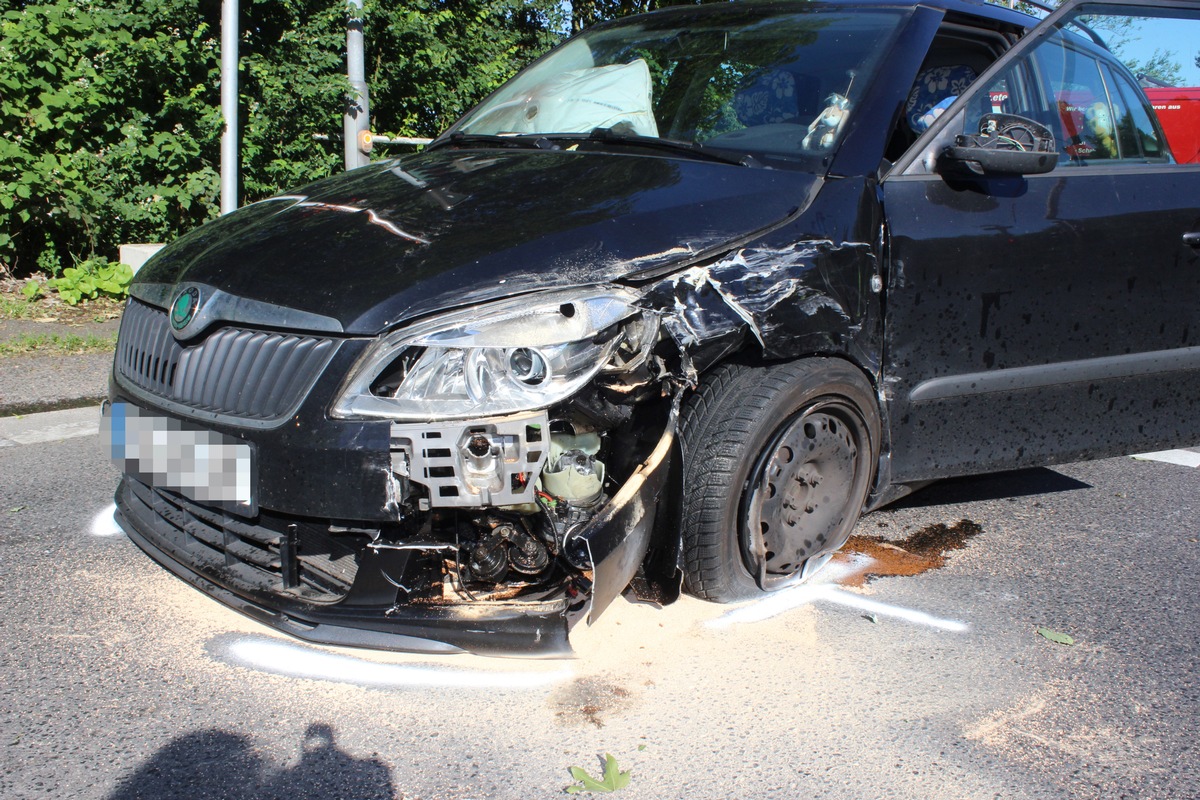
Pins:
x: 874, y: 620
x: 612, y: 779
x: 15, y: 509
x: 1055, y: 636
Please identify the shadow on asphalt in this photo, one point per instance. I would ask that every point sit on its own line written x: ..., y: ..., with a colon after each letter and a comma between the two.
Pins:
x: 212, y: 764
x: 997, y: 486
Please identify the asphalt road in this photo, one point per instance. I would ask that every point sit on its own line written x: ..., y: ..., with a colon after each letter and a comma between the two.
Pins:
x: 119, y: 681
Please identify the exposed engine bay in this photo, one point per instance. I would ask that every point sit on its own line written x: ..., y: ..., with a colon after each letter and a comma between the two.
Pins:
x: 512, y: 494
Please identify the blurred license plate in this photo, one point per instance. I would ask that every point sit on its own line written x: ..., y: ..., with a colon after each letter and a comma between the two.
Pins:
x: 202, y: 465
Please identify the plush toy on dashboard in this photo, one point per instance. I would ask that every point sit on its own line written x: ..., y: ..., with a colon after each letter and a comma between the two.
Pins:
x: 824, y: 130
x: 1099, y: 121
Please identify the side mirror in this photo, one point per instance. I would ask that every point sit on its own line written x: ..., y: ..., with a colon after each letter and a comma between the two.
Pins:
x: 1005, y: 145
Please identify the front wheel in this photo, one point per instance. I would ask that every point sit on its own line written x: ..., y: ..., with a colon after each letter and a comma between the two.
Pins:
x: 778, y: 463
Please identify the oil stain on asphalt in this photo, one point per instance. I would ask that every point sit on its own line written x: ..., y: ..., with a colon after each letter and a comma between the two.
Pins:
x: 868, y: 557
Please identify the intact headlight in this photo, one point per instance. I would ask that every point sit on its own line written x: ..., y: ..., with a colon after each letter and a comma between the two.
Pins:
x: 515, y: 355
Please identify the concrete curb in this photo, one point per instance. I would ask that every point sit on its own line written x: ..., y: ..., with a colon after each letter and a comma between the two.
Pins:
x: 42, y: 381
x: 34, y: 383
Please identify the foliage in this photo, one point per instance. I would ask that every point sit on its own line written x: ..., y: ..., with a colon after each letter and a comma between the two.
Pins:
x: 431, y: 60
x: 20, y: 305
x: 91, y: 279
x: 32, y: 290
x: 104, y: 115
x: 612, y: 780
x: 110, y: 119
x: 1120, y: 33
x: 586, y: 13
x: 1161, y: 66
x: 1056, y: 636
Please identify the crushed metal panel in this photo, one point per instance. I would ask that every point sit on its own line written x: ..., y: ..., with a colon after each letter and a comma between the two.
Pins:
x: 802, y: 297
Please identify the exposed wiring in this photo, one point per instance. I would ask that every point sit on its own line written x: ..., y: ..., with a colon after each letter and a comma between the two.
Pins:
x: 462, y: 586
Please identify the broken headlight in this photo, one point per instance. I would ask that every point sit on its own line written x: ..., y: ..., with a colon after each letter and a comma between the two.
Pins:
x: 514, y: 355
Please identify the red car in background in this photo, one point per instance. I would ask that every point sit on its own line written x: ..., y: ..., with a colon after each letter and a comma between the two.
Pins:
x: 1179, y: 112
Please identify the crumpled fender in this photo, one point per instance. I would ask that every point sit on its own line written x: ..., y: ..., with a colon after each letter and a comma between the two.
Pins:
x: 791, y: 300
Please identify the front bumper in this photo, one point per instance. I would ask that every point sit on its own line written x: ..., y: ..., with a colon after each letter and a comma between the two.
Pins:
x: 192, y: 544
x: 329, y: 585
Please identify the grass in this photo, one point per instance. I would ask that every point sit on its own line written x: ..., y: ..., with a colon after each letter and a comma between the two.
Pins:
x: 53, y: 344
x: 17, y: 307
x: 49, y: 308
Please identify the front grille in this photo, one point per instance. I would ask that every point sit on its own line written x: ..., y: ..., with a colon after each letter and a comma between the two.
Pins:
x: 242, y: 373
x: 276, y: 555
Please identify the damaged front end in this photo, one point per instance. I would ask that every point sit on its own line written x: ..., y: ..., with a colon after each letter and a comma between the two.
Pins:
x: 499, y: 527
x: 539, y: 501
x: 477, y: 481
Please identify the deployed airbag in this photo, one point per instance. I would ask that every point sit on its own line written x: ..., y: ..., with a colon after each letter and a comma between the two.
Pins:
x: 582, y: 100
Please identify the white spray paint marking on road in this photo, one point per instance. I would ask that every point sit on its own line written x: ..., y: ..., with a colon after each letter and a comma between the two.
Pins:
x: 844, y: 598
x: 1184, y: 458
x: 105, y: 525
x: 301, y: 661
x: 49, y: 426
x: 826, y: 591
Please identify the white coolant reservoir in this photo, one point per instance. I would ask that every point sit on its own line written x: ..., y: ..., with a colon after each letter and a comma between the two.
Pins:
x: 572, y: 471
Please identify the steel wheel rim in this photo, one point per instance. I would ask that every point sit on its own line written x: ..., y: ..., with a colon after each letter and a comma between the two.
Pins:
x: 800, y: 494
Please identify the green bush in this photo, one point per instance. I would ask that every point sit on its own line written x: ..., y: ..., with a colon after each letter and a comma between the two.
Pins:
x: 110, y: 119
x: 91, y: 279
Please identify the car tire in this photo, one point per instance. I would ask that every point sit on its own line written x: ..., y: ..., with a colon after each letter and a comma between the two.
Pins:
x: 777, y: 465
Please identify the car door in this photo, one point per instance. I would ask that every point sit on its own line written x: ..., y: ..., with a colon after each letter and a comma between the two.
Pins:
x: 1033, y: 319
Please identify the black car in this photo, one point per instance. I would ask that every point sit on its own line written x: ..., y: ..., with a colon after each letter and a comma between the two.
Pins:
x: 676, y: 304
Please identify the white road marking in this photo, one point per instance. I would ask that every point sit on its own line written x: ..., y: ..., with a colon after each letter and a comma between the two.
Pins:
x: 1184, y: 458
x: 49, y: 426
x: 302, y: 661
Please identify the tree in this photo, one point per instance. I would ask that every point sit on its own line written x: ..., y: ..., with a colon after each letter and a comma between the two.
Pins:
x: 1160, y: 66
x: 431, y: 60
x: 110, y: 117
x: 104, y: 121
x: 1120, y: 32
x: 585, y: 13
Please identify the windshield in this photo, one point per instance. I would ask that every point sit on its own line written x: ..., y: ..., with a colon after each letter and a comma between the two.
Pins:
x: 755, y: 81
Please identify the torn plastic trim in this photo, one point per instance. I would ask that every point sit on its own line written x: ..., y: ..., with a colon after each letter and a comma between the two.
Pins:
x: 614, y: 542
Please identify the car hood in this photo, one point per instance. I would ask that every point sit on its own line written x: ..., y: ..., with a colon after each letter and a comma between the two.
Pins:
x: 401, y: 239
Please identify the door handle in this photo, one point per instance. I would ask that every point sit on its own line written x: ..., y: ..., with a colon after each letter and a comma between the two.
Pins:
x: 1192, y: 239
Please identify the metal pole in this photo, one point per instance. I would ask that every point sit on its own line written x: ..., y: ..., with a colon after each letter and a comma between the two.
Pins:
x: 358, y: 105
x: 229, y: 105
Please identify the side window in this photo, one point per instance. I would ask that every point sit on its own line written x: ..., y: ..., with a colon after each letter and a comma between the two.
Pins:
x: 1064, y: 89
x: 1137, y: 134
x: 1075, y: 82
x: 1075, y: 88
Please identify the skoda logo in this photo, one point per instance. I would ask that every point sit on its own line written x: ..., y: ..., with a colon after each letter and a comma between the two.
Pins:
x: 183, y: 310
